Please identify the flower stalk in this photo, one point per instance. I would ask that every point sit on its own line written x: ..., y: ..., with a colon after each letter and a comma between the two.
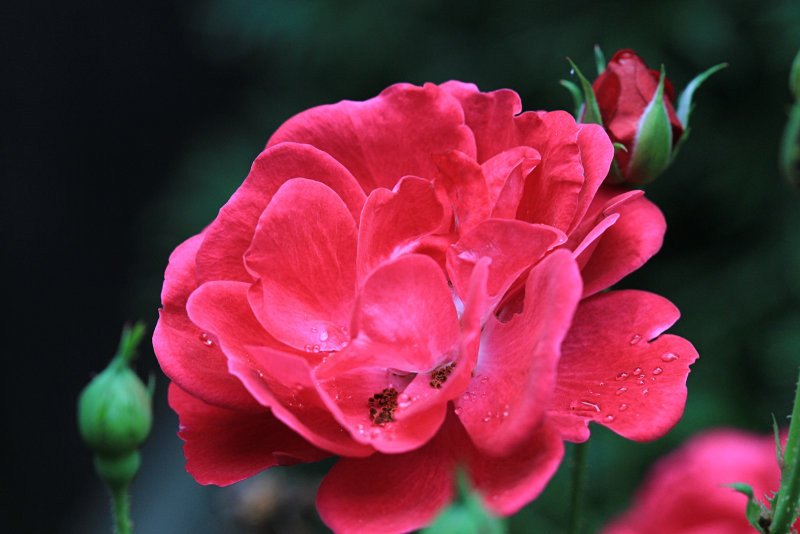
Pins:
x: 786, y: 504
x: 578, y: 485
x: 115, y: 418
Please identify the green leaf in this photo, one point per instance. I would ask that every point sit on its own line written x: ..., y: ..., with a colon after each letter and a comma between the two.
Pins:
x: 685, y: 105
x: 577, y: 97
x: 591, y: 113
x: 467, y: 516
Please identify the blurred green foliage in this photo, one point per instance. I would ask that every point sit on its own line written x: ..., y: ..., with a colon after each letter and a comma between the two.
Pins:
x: 731, y: 259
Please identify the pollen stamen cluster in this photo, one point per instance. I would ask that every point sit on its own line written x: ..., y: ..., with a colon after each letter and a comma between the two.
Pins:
x: 382, y: 406
x: 440, y: 375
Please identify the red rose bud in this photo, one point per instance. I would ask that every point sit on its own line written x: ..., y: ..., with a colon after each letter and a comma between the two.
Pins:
x: 637, y: 112
x: 115, y: 414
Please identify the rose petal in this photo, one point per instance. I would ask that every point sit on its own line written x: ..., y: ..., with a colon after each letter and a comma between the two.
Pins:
x: 229, y: 236
x: 225, y: 446
x: 303, y: 254
x: 552, y: 193
x: 388, y: 493
x: 398, y: 222
x: 387, y: 137
x: 616, y: 369
x: 597, y: 153
x: 462, y: 178
x: 489, y: 115
x: 626, y: 245
x: 511, y: 246
x: 507, y: 483
x: 188, y: 355
x: 272, y: 374
x: 516, y: 368
x: 505, y: 178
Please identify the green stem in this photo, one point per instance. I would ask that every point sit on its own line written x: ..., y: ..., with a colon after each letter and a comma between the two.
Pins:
x: 785, y: 510
x: 122, y: 510
x: 578, y: 483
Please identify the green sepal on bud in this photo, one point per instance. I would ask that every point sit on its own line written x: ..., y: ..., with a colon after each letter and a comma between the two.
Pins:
x: 115, y: 414
x: 789, y: 157
x: 652, y: 147
x: 589, y: 112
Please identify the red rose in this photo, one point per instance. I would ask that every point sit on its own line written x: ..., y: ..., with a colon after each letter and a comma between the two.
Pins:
x: 686, y: 491
x: 624, y: 91
x: 413, y: 283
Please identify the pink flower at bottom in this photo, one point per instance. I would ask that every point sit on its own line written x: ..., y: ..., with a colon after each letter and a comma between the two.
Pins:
x: 686, y: 493
x: 415, y: 284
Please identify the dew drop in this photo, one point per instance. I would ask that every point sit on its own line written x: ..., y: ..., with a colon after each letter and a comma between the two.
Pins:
x: 641, y: 382
x: 571, y: 72
x: 315, y: 348
x: 486, y: 419
x: 307, y: 348
x: 622, y: 376
x: 620, y: 391
x: 584, y: 406
x: 637, y: 371
x: 658, y: 371
x: 609, y: 419
x: 623, y: 407
x: 323, y: 336
x: 484, y: 379
x: 669, y: 357
x: 374, y: 433
x: 505, y: 414
x: 207, y: 341
x: 635, y: 339
x: 403, y: 400
x: 645, y: 391
x: 459, y: 410
x: 602, y: 384
x: 313, y: 329
x: 360, y: 428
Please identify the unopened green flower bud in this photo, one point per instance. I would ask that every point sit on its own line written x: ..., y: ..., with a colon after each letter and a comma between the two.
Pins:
x: 115, y: 414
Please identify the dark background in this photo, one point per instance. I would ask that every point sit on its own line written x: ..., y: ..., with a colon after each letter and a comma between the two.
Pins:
x: 127, y: 125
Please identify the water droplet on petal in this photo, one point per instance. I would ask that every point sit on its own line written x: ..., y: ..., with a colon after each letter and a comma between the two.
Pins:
x: 584, y: 406
x: 637, y: 371
x: 505, y: 414
x: 623, y: 407
x: 622, y: 376
x: 620, y: 391
x: 609, y: 419
x: 207, y: 341
x: 485, y: 419
x: 658, y: 371
x: 315, y: 348
x: 323, y: 336
x: 645, y: 391
x: 403, y: 400
x: 313, y: 329
x: 459, y: 410
x: 307, y: 348
x: 635, y: 339
x: 669, y: 357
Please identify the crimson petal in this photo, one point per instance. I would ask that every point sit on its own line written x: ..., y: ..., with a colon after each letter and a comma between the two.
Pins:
x: 617, y: 370
x: 225, y: 446
x: 303, y: 254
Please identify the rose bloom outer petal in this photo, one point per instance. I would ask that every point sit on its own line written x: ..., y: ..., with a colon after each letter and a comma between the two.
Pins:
x: 626, y: 243
x: 188, y: 355
x: 388, y: 493
x: 490, y: 116
x: 387, y: 137
x: 685, y: 491
x: 512, y: 246
x: 616, y: 370
x: 516, y: 370
x: 229, y: 236
x: 303, y: 254
x: 507, y: 483
x: 559, y: 190
x: 274, y: 375
x: 225, y: 446
x: 398, y: 222
x: 462, y: 179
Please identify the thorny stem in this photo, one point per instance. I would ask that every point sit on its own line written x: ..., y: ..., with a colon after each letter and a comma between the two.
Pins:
x: 787, y: 502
